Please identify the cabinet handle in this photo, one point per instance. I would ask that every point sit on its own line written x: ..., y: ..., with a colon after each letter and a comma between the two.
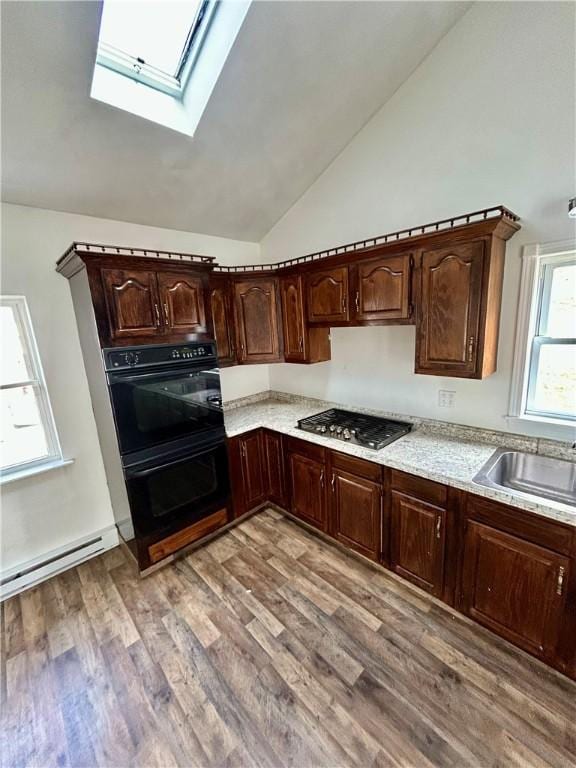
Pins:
x: 322, y: 478
x: 438, y: 526
x: 560, y: 582
x: 301, y: 345
x: 343, y: 303
x: 166, y: 313
x: 470, y: 349
x: 333, y: 483
x: 244, y: 450
x: 357, y: 301
x: 157, y: 311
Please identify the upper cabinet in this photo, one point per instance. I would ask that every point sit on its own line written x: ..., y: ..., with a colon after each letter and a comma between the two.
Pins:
x: 383, y: 289
x: 132, y: 303
x: 327, y: 293
x: 182, y: 300
x: 256, y: 311
x: 221, y: 303
x: 302, y: 344
x: 453, y: 332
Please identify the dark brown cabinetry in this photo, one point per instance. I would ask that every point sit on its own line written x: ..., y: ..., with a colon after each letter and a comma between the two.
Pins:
x: 273, y: 457
x: 182, y: 302
x: 327, y: 293
x: 356, y: 504
x: 307, y: 478
x: 417, y: 542
x: 257, y: 320
x: 302, y: 344
x: 221, y: 302
x: 383, y: 289
x: 132, y: 303
x: 517, y: 579
x: 245, y: 455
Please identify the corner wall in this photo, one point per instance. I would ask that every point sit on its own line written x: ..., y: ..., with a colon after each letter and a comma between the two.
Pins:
x: 54, y: 509
x: 487, y: 119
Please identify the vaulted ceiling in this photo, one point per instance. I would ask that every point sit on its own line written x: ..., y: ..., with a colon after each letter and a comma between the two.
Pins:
x: 301, y: 80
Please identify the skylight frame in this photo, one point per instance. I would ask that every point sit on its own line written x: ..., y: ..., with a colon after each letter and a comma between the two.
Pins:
x: 138, y: 70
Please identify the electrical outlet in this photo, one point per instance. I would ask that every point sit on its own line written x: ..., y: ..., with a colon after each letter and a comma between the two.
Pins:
x: 446, y: 398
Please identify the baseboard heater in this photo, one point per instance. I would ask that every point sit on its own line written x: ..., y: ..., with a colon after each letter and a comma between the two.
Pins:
x: 30, y: 574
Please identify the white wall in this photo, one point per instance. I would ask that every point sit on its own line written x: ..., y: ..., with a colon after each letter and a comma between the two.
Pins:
x: 488, y: 118
x: 50, y: 510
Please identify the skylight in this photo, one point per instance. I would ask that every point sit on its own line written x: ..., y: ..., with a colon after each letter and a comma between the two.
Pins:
x: 152, y: 42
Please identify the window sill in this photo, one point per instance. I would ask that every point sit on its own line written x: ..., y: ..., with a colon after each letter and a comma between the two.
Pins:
x: 556, y: 429
x: 12, y: 477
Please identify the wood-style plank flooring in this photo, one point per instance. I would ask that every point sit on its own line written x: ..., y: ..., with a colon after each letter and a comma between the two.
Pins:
x: 268, y: 647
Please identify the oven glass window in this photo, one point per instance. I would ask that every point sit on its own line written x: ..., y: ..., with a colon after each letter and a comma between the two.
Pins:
x: 151, y: 409
x: 180, y: 486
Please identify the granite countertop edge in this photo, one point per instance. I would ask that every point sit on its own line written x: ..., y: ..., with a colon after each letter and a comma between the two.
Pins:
x: 440, y: 458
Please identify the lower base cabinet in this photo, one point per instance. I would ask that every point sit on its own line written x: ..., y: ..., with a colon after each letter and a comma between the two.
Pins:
x: 512, y: 571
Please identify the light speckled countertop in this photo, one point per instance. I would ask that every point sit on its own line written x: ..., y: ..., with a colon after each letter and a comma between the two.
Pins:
x: 441, y: 458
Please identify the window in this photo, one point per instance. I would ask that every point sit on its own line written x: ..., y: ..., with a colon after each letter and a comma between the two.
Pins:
x: 28, y: 437
x: 546, y: 349
x: 152, y: 42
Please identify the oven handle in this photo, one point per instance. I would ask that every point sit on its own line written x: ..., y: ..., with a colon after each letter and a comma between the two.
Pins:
x: 131, y: 474
x: 117, y: 378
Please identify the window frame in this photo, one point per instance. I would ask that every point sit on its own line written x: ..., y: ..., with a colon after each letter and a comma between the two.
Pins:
x: 539, y: 262
x: 138, y: 70
x: 37, y: 381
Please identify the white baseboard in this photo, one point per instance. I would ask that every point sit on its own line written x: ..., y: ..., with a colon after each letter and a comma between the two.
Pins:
x: 32, y: 572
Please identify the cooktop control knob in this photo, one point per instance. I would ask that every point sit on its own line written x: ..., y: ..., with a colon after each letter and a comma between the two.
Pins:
x: 347, y: 434
x: 175, y: 354
x: 332, y: 427
x: 338, y: 430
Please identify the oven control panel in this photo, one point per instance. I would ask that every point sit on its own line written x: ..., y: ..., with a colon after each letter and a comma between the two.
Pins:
x: 158, y: 354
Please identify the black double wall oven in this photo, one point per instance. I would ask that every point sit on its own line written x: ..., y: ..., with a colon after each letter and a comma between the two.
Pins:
x: 167, y: 407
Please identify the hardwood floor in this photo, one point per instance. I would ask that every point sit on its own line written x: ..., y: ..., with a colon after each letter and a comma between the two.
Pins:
x: 268, y: 647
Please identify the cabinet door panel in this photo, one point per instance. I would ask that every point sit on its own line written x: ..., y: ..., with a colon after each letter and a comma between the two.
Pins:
x: 295, y: 347
x: 274, y: 467
x: 357, y: 512
x: 328, y: 295
x: 182, y: 302
x: 256, y: 313
x: 132, y: 302
x: 514, y: 587
x: 252, y: 464
x: 417, y: 541
x: 222, y: 317
x: 450, y: 303
x: 384, y: 289
x: 307, y: 490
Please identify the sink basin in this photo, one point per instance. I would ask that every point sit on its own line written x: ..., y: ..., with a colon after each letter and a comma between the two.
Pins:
x: 530, y: 475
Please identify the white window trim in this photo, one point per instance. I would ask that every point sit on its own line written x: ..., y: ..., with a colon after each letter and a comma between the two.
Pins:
x: 532, y: 257
x: 54, y: 458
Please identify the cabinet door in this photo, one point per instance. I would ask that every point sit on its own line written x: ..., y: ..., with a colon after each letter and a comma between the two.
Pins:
x: 182, y: 302
x: 328, y: 295
x: 295, y: 347
x: 383, y: 289
x: 356, y: 510
x: 514, y: 587
x: 132, y: 303
x: 308, y: 494
x: 256, y: 313
x: 251, y: 461
x: 222, y: 317
x: 417, y: 536
x: 273, y: 467
x: 450, y: 307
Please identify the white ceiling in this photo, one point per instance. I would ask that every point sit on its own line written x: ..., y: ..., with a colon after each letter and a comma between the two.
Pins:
x: 300, y: 81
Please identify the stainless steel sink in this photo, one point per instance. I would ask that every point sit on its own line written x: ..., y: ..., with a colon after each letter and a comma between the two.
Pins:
x: 530, y: 475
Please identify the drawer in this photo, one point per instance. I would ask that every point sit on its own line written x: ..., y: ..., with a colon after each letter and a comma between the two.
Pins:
x: 419, y: 488
x: 313, y: 451
x: 355, y: 466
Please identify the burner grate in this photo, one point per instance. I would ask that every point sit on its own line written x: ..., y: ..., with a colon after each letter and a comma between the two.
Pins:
x: 361, y: 429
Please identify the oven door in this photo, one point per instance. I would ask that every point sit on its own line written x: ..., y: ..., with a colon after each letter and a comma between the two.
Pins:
x: 161, y: 406
x: 170, y: 493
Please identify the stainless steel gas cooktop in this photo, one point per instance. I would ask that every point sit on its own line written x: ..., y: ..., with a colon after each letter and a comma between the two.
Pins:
x: 358, y: 428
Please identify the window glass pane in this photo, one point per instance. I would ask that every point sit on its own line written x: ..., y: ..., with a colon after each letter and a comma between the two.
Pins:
x: 561, y: 321
x: 14, y: 366
x: 154, y: 30
x: 22, y: 436
x: 554, y: 388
